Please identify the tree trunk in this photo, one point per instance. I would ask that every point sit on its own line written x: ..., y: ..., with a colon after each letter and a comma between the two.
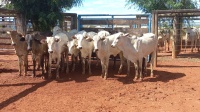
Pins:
x: 21, y: 24
x: 176, y: 48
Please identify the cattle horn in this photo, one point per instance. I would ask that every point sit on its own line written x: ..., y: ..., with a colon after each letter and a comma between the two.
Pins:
x: 43, y: 41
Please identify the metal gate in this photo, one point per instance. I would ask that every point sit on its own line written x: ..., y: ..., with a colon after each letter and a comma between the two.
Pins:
x: 131, y: 23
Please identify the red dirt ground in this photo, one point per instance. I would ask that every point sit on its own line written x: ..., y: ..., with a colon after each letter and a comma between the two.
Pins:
x: 175, y: 88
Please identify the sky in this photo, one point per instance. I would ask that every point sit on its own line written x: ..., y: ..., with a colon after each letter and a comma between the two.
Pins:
x: 104, y: 7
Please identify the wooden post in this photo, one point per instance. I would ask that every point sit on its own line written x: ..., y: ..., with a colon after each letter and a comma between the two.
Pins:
x: 156, y: 33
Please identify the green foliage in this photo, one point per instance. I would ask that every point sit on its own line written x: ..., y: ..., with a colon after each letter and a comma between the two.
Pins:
x: 148, y: 6
x: 43, y: 14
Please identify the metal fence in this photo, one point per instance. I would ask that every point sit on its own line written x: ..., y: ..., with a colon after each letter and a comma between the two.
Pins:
x: 130, y: 23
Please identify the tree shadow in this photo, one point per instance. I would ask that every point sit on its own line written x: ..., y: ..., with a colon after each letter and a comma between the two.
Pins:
x: 23, y: 93
x: 174, y: 66
x: 4, y: 70
x: 18, y: 84
x: 7, y: 52
x: 189, y: 55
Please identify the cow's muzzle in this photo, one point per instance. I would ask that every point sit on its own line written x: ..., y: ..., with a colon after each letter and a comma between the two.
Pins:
x: 79, y: 47
x: 50, y: 51
x: 113, y: 46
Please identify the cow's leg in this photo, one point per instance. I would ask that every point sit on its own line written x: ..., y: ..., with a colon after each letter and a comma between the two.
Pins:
x: 25, y: 64
x: 103, y: 69
x: 192, y: 45
x: 34, y: 64
x: 140, y: 69
x: 58, y: 64
x: 73, y: 62
x: 136, y: 70
x: 97, y: 62
x: 122, y: 62
x: 67, y: 63
x: 152, y: 63
x: 83, y: 66
x: 39, y: 62
x: 106, y: 68
x: 42, y: 65
x: 89, y: 64
x: 62, y: 66
x: 128, y: 68
x: 49, y: 66
x: 185, y: 44
x: 114, y: 62
x: 19, y: 64
x: 144, y: 66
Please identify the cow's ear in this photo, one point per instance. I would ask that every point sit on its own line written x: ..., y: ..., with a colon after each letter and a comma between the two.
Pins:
x: 86, y: 37
x: 8, y: 32
x: 56, y: 40
x: 22, y: 39
x: 73, y: 37
x: 43, y: 41
x: 89, y: 39
x: 126, y: 34
x: 103, y: 38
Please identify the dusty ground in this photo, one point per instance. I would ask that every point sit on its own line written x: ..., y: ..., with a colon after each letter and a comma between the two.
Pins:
x: 175, y: 88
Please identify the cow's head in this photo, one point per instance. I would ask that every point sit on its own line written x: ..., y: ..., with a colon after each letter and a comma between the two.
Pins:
x: 102, y: 34
x: 80, y: 38
x: 97, y: 42
x: 15, y: 37
x: 50, y: 41
x: 56, y: 30
x: 118, y: 38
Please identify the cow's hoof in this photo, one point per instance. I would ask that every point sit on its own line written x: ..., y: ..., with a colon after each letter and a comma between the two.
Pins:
x: 140, y: 80
x: 57, y: 77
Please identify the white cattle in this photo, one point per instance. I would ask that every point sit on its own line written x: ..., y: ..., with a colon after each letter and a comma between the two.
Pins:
x: 86, y: 47
x: 69, y: 34
x: 57, y: 46
x: 191, y: 36
x: 20, y: 50
x: 74, y: 51
x: 71, y: 44
x: 102, y: 45
x: 142, y: 47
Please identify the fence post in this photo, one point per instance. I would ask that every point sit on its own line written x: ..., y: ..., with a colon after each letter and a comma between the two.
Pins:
x: 79, y: 22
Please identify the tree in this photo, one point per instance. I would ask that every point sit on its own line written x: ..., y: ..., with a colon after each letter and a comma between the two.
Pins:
x: 148, y: 6
x: 43, y: 14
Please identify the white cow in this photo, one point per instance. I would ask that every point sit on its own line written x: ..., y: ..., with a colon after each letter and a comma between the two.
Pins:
x: 142, y: 47
x: 86, y: 47
x: 191, y: 36
x: 102, y: 45
x: 69, y: 34
x: 57, y: 46
x: 73, y: 50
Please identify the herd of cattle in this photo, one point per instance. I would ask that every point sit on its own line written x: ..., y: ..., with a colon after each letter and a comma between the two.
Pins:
x: 56, y: 48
